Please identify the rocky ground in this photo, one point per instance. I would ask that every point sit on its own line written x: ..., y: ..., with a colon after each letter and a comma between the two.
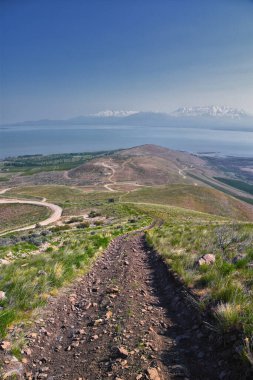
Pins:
x: 127, y: 319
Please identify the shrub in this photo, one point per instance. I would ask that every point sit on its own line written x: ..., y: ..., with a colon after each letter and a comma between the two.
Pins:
x: 227, y: 316
x: 83, y: 225
x: 75, y: 219
x: 60, y: 228
x: 94, y: 214
x: 226, y: 235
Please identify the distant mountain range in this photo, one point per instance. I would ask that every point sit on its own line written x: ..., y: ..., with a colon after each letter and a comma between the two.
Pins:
x: 211, y: 117
x: 110, y: 113
x: 212, y: 111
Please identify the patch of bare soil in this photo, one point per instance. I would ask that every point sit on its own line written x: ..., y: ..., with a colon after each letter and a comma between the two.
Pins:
x: 127, y: 319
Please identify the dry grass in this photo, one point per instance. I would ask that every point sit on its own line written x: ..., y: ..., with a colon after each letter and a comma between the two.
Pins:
x: 18, y: 215
x: 227, y: 284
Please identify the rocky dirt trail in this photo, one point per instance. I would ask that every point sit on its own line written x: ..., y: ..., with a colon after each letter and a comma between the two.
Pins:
x: 126, y: 319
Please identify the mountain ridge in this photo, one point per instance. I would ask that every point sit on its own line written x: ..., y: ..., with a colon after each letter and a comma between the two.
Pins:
x: 211, y: 111
x: 198, y: 116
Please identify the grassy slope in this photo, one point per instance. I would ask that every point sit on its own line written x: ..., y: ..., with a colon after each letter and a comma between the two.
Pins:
x: 17, y: 215
x: 195, y: 198
x: 226, y: 285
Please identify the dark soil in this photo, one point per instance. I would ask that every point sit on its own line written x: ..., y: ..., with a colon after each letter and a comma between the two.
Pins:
x: 127, y: 319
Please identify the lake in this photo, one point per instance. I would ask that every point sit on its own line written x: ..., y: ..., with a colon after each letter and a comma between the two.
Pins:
x: 22, y: 140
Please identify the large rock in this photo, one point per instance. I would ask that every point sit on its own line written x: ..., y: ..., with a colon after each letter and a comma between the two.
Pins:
x: 2, y: 295
x: 13, y: 370
x: 207, y: 259
x: 4, y: 262
x: 153, y: 374
x: 5, y: 345
x: 120, y: 352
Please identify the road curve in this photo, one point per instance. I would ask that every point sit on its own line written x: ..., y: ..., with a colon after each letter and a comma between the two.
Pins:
x: 56, y: 212
x: 4, y: 190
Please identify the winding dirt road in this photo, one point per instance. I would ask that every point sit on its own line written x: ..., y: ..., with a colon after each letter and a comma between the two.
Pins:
x: 107, y: 186
x: 3, y: 191
x: 56, y: 211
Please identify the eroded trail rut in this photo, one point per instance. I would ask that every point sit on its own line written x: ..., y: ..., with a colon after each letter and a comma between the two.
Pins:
x: 126, y: 319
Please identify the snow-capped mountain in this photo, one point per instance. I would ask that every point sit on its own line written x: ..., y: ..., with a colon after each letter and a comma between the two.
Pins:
x: 198, y: 111
x: 109, y: 113
x: 210, y: 111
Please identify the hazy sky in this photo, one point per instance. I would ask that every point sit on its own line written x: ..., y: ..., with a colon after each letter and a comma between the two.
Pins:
x: 62, y: 58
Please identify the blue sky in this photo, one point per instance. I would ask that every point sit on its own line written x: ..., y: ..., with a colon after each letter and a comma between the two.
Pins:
x: 63, y: 58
